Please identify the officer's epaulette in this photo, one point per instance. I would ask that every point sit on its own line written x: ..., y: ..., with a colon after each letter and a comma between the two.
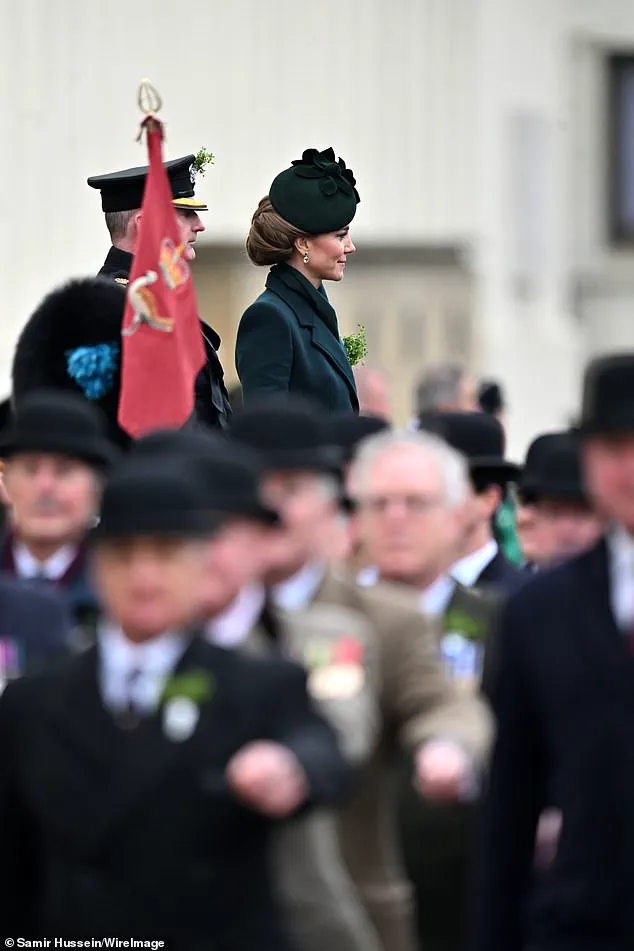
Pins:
x: 122, y: 280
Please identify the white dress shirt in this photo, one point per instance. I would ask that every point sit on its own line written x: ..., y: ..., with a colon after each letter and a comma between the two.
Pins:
x: 621, y: 562
x: 54, y: 568
x: 297, y: 592
x: 119, y: 658
x: 433, y: 600
x: 468, y: 569
x: 236, y: 622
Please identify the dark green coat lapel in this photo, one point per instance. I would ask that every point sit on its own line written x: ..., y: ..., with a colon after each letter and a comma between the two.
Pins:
x: 322, y: 336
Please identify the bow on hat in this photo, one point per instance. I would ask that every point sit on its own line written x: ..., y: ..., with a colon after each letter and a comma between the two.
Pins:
x: 333, y: 172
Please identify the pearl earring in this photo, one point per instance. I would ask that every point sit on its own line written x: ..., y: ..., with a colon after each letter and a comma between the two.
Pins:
x: 306, y: 258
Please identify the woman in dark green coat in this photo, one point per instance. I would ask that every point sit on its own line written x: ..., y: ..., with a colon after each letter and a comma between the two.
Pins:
x: 288, y: 339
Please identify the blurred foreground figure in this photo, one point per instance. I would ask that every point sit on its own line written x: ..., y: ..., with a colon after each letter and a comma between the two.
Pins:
x: 563, y: 702
x: 412, y: 493
x: 389, y: 664
x: 314, y: 892
x: 141, y: 780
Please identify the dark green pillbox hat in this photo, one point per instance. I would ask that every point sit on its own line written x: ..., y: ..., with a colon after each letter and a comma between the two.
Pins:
x: 316, y: 194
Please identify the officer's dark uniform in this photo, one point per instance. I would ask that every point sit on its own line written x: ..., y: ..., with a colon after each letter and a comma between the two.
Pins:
x: 123, y: 191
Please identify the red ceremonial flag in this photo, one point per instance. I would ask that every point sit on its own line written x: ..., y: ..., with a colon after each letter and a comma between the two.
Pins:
x: 162, y: 347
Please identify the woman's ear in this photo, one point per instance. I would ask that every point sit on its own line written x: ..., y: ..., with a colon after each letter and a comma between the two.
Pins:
x: 302, y: 245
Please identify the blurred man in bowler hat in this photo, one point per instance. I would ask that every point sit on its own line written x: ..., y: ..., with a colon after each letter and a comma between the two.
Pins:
x: 416, y: 704
x: 207, y: 749
x: 55, y: 453
x: 316, y: 895
x: 551, y: 485
x: 480, y: 438
x: 121, y: 200
x: 563, y: 702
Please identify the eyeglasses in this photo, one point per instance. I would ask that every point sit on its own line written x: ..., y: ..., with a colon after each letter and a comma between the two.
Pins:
x: 413, y: 504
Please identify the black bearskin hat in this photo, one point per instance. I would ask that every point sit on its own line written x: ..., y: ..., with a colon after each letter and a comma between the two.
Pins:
x: 72, y: 341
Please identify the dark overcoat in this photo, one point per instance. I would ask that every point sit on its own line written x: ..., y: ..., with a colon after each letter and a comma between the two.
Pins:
x: 135, y: 833
x: 284, y: 346
x: 564, y: 702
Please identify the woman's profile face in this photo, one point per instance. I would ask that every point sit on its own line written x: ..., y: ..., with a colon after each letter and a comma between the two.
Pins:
x: 327, y: 255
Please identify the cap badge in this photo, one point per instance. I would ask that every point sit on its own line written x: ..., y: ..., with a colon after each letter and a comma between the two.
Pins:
x: 192, y: 174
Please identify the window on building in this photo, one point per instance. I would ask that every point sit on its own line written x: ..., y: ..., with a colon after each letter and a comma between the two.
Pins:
x: 621, y: 146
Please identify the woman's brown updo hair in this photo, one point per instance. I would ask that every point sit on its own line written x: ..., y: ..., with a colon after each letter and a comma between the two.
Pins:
x: 271, y: 239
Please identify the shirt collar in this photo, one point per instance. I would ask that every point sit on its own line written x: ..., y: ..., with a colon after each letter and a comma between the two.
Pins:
x: 53, y: 568
x: 157, y: 656
x: 297, y: 592
x: 235, y: 623
x: 436, y: 598
x: 468, y: 569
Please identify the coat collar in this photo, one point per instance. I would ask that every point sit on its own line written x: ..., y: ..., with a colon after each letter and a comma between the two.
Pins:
x: 321, y: 336
x: 81, y: 723
x: 597, y: 634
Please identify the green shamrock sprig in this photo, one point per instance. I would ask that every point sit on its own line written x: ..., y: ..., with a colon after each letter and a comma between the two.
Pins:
x: 459, y: 622
x: 202, y: 159
x: 195, y: 685
x: 356, y: 346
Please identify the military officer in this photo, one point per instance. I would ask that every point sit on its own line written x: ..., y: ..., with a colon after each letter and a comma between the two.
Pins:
x: 447, y: 734
x: 121, y: 200
x: 142, y: 779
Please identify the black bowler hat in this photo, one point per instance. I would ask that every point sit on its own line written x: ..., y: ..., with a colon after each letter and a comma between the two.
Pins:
x: 49, y: 421
x: 608, y: 395
x: 479, y: 437
x: 228, y: 472
x: 316, y: 194
x: 346, y: 431
x: 287, y: 434
x: 553, y: 469
x: 141, y: 498
x: 123, y: 191
x: 491, y: 397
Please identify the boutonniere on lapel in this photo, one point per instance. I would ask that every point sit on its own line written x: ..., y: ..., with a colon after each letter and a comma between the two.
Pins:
x: 356, y: 346
x: 462, y: 648
x: 459, y: 622
x: 182, y: 698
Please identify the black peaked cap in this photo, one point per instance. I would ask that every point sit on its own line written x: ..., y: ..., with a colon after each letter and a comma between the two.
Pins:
x: 123, y: 191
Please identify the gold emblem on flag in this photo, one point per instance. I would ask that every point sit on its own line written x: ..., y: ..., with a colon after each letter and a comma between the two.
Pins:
x: 145, y: 307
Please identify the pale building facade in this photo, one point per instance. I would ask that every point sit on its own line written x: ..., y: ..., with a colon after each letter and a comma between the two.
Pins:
x: 477, y: 129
